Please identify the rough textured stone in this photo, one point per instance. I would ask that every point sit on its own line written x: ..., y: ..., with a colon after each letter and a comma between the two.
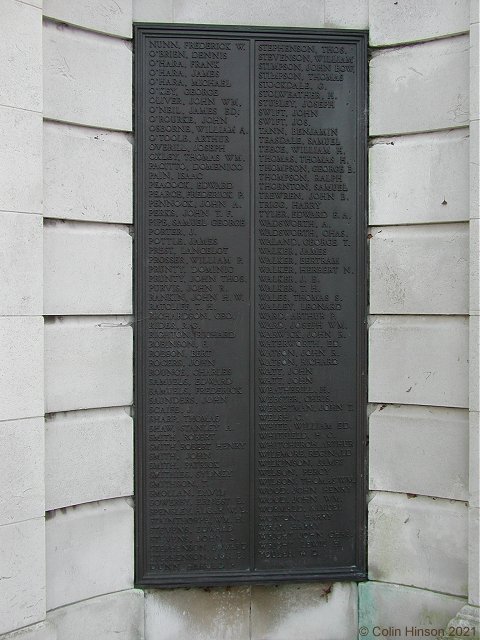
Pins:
x: 413, y: 20
x: 89, y: 456
x: 21, y: 374
x: 421, y: 450
x: 382, y: 606
x: 420, y: 178
x: 214, y: 614
x: 20, y: 160
x: 87, y: 269
x: 419, y: 542
x: 420, y: 88
x: 89, y: 551
x: 41, y: 631
x: 106, y: 16
x: 346, y: 14
x: 21, y: 470
x: 419, y: 360
x: 21, y: 264
x: 118, y: 616
x: 21, y: 55
x: 307, y: 13
x: 306, y: 611
x: 467, y: 618
x: 88, y: 174
x: 153, y: 10
x: 22, y: 569
x: 87, y: 78
x: 421, y: 269
x: 88, y: 365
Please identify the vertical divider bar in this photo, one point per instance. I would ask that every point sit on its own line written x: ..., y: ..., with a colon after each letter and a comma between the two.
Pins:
x: 361, y: 155
x: 139, y: 297
x: 144, y: 324
x: 364, y: 258
x: 252, y: 430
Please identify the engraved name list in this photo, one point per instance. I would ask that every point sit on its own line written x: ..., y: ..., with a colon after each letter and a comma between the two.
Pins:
x: 250, y: 305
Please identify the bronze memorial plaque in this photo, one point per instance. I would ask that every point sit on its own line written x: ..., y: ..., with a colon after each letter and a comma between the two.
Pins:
x: 250, y: 304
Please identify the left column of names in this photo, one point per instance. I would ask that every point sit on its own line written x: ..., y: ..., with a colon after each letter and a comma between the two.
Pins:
x: 197, y: 304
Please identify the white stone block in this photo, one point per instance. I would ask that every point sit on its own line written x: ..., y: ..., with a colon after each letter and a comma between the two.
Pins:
x: 474, y: 71
x: 87, y: 174
x: 474, y: 296
x: 419, y: 360
x: 420, y: 88
x: 474, y: 556
x: 413, y: 20
x: 474, y: 459
x: 21, y: 55
x: 40, y: 631
x: 21, y: 470
x: 87, y: 78
x: 418, y: 179
x: 307, y: 13
x: 87, y: 269
x: 419, y: 269
x: 21, y: 373
x: 474, y: 12
x: 88, y: 365
x: 89, y: 551
x: 89, y: 456
x: 422, y: 450
x: 214, y: 614
x: 419, y: 542
x: 384, y: 606
x: 346, y: 14
x: 153, y: 10
x: 474, y: 169
x: 118, y: 616
x: 20, y: 160
x: 307, y: 611
x: 21, y: 261
x: 106, y: 16
x: 474, y: 364
x: 22, y: 569
x: 33, y: 3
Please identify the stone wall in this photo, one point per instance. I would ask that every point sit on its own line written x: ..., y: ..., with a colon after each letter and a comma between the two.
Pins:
x: 22, y: 495
x: 66, y: 512
x: 67, y: 534
x: 87, y: 57
x: 419, y: 305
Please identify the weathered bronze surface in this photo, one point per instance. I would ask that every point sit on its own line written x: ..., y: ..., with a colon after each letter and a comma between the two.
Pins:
x: 250, y: 304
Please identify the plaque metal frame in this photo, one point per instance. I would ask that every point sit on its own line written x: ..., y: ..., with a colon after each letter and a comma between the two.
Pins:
x: 356, y: 572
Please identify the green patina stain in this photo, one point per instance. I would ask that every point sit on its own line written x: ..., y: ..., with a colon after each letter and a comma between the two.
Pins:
x: 366, y: 610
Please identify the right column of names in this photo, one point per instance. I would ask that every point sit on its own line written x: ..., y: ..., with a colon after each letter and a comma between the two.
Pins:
x: 305, y: 304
